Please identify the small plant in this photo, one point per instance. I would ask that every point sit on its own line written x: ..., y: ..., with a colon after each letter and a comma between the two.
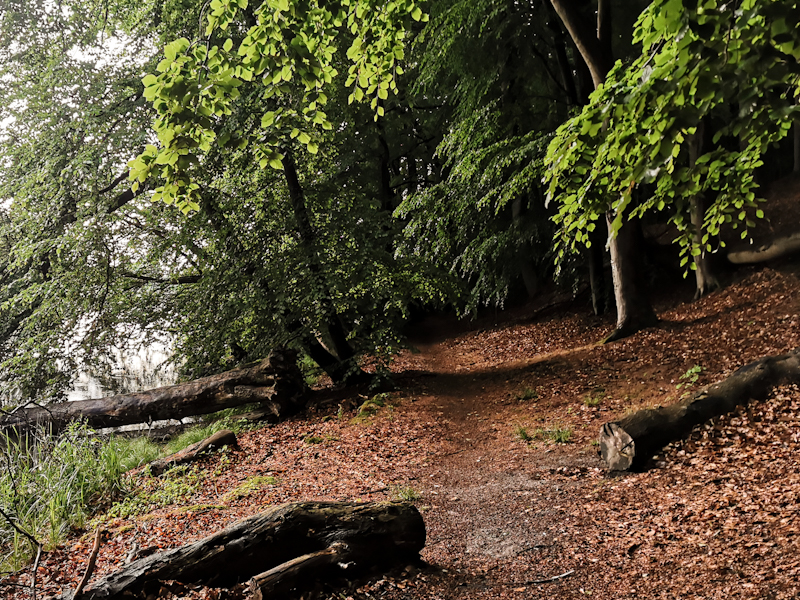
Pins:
x: 371, y: 407
x: 176, y: 485
x: 592, y: 400
x: 691, y: 376
x: 313, y: 439
x: 595, y: 397
x: 405, y: 493
x: 560, y: 435
x: 522, y: 434
x: 248, y: 486
x: 527, y: 394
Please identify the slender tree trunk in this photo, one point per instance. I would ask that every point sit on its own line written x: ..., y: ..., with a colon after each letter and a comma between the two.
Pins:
x: 529, y: 275
x: 796, y: 140
x: 634, y: 311
x: 339, y: 365
x: 597, y: 275
x: 704, y: 275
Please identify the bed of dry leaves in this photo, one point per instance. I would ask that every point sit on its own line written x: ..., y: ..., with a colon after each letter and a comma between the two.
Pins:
x: 714, y: 516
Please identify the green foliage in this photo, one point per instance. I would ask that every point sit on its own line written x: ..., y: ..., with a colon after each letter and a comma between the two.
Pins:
x: 485, y: 221
x: 406, y: 493
x: 557, y: 434
x: 248, y: 486
x: 48, y: 485
x: 522, y: 434
x: 690, y: 377
x: 147, y: 494
x: 291, y: 50
x: 527, y: 394
x: 733, y: 71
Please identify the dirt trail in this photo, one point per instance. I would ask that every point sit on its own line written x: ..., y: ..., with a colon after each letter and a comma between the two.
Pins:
x: 506, y: 507
x: 492, y: 503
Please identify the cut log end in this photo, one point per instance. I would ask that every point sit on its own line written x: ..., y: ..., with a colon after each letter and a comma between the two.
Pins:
x: 631, y: 441
x: 617, y: 448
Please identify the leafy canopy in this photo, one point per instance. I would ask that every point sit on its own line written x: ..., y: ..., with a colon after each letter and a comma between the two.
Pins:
x: 291, y: 45
x: 732, y: 64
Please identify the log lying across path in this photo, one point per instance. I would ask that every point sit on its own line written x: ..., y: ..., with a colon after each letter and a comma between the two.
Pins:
x: 287, y: 547
x: 276, y: 383
x: 631, y: 441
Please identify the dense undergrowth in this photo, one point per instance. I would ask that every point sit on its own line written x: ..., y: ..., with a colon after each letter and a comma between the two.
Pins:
x: 50, y: 485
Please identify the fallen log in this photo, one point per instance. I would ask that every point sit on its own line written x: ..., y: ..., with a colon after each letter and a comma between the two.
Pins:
x: 284, y: 548
x: 775, y: 249
x: 628, y: 443
x: 222, y: 438
x: 275, y: 383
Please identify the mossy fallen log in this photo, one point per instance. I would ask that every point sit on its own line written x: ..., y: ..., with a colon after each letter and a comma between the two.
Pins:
x: 283, y: 549
x: 275, y: 383
x: 628, y: 443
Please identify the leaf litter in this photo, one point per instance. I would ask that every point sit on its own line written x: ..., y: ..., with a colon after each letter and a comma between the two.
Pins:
x: 511, y: 516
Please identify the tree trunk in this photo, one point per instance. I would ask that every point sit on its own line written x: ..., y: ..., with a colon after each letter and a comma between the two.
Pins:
x: 595, y: 256
x: 191, y: 453
x: 630, y: 442
x: 275, y: 382
x: 796, y: 146
x: 281, y: 549
x: 592, y: 49
x: 338, y: 366
x: 634, y: 311
x: 704, y: 275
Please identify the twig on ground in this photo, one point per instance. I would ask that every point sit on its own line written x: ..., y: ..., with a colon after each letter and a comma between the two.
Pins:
x: 35, y: 569
x: 549, y: 579
x: 98, y: 536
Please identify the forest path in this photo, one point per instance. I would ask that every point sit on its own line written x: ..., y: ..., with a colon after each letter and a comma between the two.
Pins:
x: 471, y: 429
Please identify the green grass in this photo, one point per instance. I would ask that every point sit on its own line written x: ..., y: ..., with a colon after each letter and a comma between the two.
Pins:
x: 527, y: 394
x: 405, y: 493
x: 557, y: 434
x: 48, y: 486
x: 522, y: 434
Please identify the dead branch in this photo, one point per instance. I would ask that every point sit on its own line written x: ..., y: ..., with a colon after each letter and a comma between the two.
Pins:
x: 98, y: 538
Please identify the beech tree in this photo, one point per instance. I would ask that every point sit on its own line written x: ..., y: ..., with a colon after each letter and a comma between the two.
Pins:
x: 274, y: 257
x: 731, y: 72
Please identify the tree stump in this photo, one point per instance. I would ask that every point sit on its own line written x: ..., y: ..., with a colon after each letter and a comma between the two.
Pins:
x: 628, y: 443
x: 284, y: 548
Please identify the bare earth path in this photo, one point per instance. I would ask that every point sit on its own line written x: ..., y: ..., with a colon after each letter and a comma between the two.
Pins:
x: 473, y: 428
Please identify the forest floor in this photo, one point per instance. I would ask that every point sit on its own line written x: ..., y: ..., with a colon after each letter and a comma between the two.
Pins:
x: 494, y: 426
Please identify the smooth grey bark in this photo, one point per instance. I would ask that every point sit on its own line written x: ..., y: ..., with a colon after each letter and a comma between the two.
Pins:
x: 634, y: 311
x: 704, y: 274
